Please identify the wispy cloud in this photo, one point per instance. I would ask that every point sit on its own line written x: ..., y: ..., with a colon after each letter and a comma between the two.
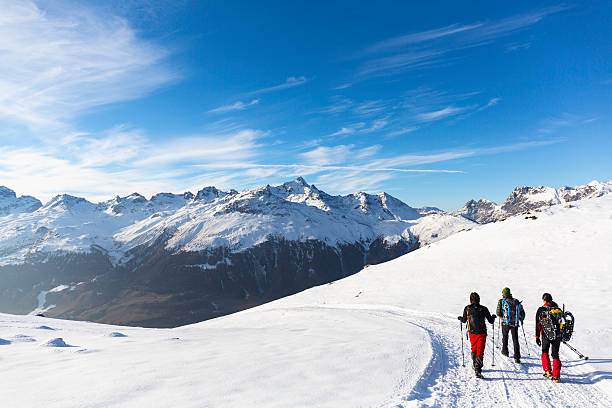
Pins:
x: 327, y: 155
x: 555, y: 123
x: 290, y: 82
x: 492, y: 102
x: 349, y: 129
x: 440, y: 113
x: 418, y: 37
x: 236, y: 106
x: 438, y: 45
x: 518, y: 46
x: 121, y: 161
x: 403, y: 131
x: 370, y: 107
x: 339, y: 104
x: 55, y: 65
x: 376, y: 125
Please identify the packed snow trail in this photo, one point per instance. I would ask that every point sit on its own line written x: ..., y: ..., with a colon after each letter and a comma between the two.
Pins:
x: 446, y: 383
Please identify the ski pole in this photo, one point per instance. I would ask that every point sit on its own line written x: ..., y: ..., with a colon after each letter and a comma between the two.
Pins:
x: 499, y: 326
x: 526, y: 344
x: 576, y: 351
x: 493, y: 348
x: 462, y: 356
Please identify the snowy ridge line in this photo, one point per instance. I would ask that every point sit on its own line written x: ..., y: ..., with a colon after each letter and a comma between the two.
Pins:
x: 293, y: 211
x: 524, y: 199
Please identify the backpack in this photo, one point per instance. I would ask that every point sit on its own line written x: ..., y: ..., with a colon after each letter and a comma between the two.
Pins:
x: 557, y: 324
x: 511, y: 310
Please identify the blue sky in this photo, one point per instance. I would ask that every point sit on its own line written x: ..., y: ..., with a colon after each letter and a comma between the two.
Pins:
x: 434, y: 103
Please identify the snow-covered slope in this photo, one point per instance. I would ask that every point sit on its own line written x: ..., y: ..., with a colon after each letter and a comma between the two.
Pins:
x: 11, y: 204
x: 203, y: 254
x: 384, y: 337
x: 294, y: 210
x: 529, y: 198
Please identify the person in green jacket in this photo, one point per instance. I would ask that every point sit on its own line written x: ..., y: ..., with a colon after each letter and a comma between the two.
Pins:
x: 512, y: 315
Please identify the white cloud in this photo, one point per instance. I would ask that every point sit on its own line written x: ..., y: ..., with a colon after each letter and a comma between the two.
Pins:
x: 492, y: 102
x: 324, y: 155
x: 237, y: 106
x: 440, y: 114
x: 290, y: 82
x: 122, y: 161
x: 57, y: 63
x: 554, y: 123
x: 419, y: 37
x: 435, y: 46
x: 401, y: 132
x: 370, y: 107
x: 348, y: 130
x: 376, y: 125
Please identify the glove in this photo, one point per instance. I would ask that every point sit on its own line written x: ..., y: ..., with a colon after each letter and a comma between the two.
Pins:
x: 538, y: 341
x: 494, y: 317
x: 460, y: 318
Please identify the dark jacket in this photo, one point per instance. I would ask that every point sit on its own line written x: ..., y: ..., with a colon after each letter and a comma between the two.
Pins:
x: 475, y: 316
x: 541, y: 309
x: 500, y: 312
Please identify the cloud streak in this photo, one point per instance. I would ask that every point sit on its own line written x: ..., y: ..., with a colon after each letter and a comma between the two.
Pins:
x: 290, y: 82
x: 57, y: 64
x: 237, y: 106
x: 435, y: 46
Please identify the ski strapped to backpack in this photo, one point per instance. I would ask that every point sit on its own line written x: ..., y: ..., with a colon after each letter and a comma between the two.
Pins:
x: 557, y: 324
x: 511, y: 314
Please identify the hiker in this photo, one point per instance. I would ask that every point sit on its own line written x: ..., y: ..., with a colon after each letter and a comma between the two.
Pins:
x: 555, y: 373
x: 475, y: 314
x: 512, y: 315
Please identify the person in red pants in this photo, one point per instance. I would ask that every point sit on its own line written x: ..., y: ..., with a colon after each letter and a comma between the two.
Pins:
x: 474, y: 315
x: 555, y: 372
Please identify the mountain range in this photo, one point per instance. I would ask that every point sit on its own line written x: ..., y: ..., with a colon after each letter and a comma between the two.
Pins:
x: 175, y: 259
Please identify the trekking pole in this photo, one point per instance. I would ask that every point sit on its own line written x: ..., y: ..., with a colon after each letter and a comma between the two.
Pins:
x: 493, y: 348
x: 526, y: 344
x: 462, y: 356
x: 499, y: 327
x: 582, y: 356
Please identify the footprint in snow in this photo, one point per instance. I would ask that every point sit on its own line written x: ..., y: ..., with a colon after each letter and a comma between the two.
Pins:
x: 43, y: 327
x: 57, y: 342
x: 117, y: 334
x: 4, y: 342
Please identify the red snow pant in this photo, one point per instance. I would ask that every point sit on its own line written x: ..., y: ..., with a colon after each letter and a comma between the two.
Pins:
x: 478, y: 342
x: 556, y: 366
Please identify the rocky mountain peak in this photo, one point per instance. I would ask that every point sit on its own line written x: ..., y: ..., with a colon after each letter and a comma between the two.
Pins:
x: 6, y: 192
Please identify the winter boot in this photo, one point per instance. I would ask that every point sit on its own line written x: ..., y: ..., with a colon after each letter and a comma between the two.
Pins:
x: 478, y: 363
x: 517, y: 360
x: 556, y: 379
x: 547, y: 374
x: 474, y: 360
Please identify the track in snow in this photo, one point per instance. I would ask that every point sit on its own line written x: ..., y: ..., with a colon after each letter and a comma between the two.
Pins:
x: 445, y: 383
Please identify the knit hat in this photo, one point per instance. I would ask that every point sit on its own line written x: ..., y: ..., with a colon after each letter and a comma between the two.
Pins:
x: 506, y: 292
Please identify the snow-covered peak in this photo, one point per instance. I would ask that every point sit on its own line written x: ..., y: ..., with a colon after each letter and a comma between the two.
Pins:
x: 6, y: 192
x: 11, y: 204
x: 208, y: 194
x: 530, y: 198
x: 68, y: 202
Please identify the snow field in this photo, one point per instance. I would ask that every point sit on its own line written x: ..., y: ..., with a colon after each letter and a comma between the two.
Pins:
x: 385, y: 337
x: 277, y: 358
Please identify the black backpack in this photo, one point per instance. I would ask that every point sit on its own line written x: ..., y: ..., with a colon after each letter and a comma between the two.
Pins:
x: 557, y: 324
x: 511, y: 310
